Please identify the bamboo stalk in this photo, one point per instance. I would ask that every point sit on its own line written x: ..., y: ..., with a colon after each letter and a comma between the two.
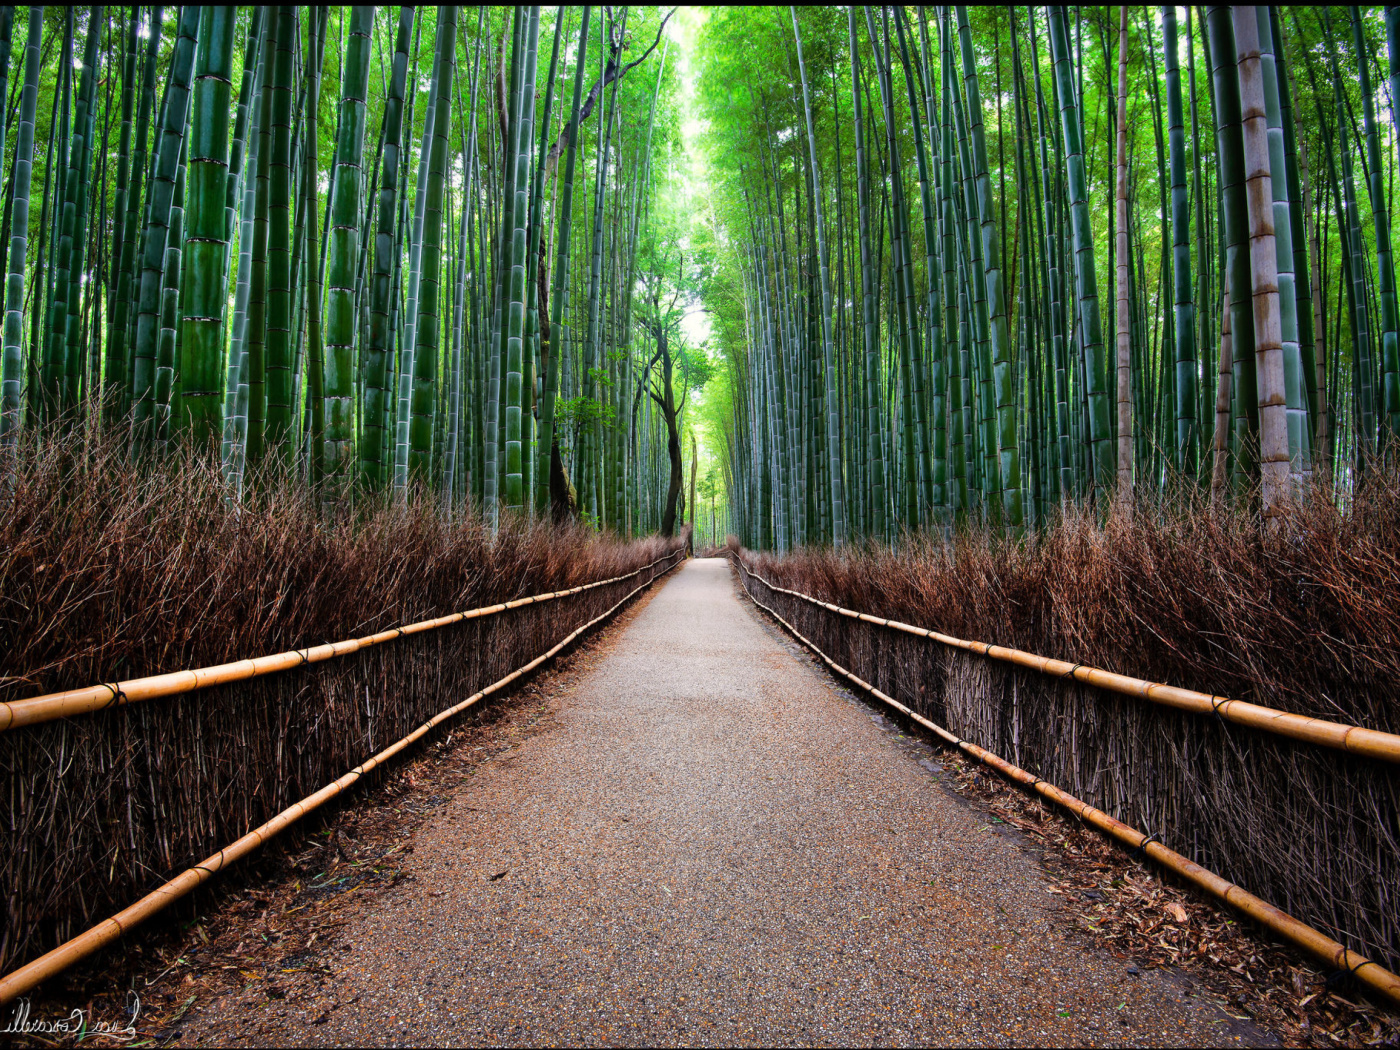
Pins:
x: 1324, y: 948
x: 51, y: 706
x: 32, y: 974
x: 1124, y: 339
x: 1369, y: 743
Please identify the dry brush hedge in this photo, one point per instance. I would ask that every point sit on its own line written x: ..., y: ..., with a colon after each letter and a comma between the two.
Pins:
x: 113, y: 571
x: 1305, y: 621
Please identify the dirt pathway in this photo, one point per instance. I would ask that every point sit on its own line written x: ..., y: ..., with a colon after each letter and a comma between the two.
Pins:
x: 714, y: 844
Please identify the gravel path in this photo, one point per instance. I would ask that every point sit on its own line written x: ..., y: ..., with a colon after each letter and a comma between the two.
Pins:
x: 714, y: 844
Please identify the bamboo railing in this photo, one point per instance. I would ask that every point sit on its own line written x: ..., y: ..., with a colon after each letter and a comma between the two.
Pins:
x: 1331, y: 952
x: 1371, y: 743
x: 17, y: 713
x: 33, y: 973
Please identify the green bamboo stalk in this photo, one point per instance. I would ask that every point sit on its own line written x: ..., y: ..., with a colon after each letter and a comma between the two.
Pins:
x: 1385, y: 259
x: 343, y: 243
x: 933, y: 357
x: 1230, y: 158
x: 1008, y: 447
x: 162, y: 192
x: 1284, y: 188
x: 833, y: 447
x: 536, y: 277
x: 123, y: 335
x: 201, y: 349
x: 495, y: 248
x: 869, y: 318
x: 518, y: 149
x: 1124, y: 338
x: 55, y: 301
x: 314, y: 282
x: 37, y: 377
x: 457, y: 418
x: 982, y: 435
x: 911, y: 427
x: 377, y: 408
x: 7, y: 25
x: 56, y: 186
x: 409, y: 337
x: 239, y: 365
x: 554, y: 360
x: 12, y: 365
x: 255, y: 348
x: 82, y: 151
x: 1187, y: 441
x: 590, y: 452
x: 1101, y: 455
x: 425, y: 354
x: 956, y: 313
x: 115, y: 370
x: 279, y: 433
x: 169, y: 312
x: 1297, y: 213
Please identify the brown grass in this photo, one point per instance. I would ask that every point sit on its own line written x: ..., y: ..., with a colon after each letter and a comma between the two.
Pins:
x: 111, y: 570
x: 1306, y: 620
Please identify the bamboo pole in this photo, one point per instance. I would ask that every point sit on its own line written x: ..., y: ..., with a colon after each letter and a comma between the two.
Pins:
x: 1125, y: 401
x: 27, y: 977
x: 51, y: 706
x: 1330, y: 952
x: 1369, y: 743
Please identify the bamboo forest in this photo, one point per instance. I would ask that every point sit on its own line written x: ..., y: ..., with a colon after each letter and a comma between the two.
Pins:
x: 362, y: 268
x: 458, y: 254
x: 1026, y: 378
x: 938, y: 223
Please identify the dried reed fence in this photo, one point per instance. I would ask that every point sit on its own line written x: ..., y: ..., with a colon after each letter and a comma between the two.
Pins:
x: 1309, y: 622
x: 107, y: 571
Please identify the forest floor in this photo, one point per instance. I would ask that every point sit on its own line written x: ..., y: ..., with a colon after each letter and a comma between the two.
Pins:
x: 688, y: 833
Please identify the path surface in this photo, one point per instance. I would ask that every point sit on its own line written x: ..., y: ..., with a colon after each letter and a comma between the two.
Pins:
x: 714, y: 844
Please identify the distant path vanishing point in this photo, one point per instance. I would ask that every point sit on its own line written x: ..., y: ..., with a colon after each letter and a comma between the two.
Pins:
x: 714, y: 844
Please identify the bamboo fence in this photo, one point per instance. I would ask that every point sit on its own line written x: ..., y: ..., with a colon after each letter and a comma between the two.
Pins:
x: 1228, y: 801
x: 27, y: 977
x: 98, y: 805
x: 73, y: 702
x: 1371, y: 743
